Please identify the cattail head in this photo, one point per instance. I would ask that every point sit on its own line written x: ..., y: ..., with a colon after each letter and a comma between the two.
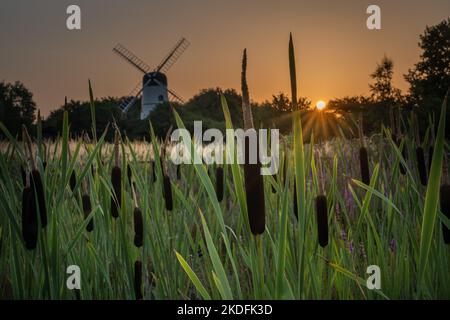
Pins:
x: 322, y: 220
x: 138, y: 228
x: 219, y: 183
x: 73, y: 180
x: 168, y: 193
x: 444, y: 194
x: 421, y: 166
x: 178, y: 172
x: 129, y: 173
x: 87, y: 211
x: 38, y: 187
x: 254, y: 187
x: 116, y: 179
x: 364, y: 165
x: 23, y: 175
x: 138, y: 280
x: 29, y: 218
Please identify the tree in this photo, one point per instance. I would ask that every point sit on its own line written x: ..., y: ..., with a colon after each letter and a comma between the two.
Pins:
x: 382, y: 89
x: 281, y: 102
x: 429, y: 79
x: 17, y: 107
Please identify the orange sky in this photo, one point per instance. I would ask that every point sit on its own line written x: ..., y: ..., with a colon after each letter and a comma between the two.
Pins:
x: 335, y: 51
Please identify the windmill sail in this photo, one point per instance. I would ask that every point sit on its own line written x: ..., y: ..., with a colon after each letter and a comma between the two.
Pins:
x: 173, y: 56
x: 131, y: 58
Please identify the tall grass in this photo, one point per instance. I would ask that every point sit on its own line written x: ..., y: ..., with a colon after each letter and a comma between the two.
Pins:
x: 205, y: 248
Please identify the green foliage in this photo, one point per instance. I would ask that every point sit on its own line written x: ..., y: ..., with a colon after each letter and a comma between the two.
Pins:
x: 17, y: 107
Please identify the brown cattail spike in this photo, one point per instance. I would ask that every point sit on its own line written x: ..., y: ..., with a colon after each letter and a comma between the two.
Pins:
x: 421, y: 166
x: 29, y: 219
x: 444, y: 194
x: 168, y: 193
x: 116, y: 179
x: 322, y: 220
x: 363, y: 154
x: 138, y: 280
x: 138, y: 228
x: 254, y: 187
x: 219, y: 183
x: 73, y: 180
x: 87, y: 208
x: 37, y: 185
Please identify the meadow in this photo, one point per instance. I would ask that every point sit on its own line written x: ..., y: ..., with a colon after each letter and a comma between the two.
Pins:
x: 140, y: 227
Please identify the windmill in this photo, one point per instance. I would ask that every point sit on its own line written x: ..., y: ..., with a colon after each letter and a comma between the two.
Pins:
x: 153, y: 87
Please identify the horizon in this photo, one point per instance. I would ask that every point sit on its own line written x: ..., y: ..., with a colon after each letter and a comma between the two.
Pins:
x: 335, y: 51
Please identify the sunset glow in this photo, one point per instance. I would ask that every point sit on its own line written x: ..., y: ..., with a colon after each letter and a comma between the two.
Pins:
x: 320, y: 105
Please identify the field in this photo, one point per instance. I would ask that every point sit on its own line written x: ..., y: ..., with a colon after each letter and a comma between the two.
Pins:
x: 179, y: 236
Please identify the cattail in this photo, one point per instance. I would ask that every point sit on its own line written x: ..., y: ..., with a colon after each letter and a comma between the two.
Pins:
x: 116, y: 180
x: 219, y: 183
x: 73, y: 180
x: 168, y: 193
x: 444, y: 194
x: 24, y: 175
x: 87, y: 211
x: 363, y: 155
x: 364, y: 164
x: 36, y: 182
x: 116, y: 177
x: 154, y: 177
x: 36, y: 185
x: 178, y: 172
x: 138, y: 228
x: 138, y: 280
x: 254, y: 187
x: 421, y: 166
x: 29, y: 218
x: 129, y: 174
x: 322, y: 220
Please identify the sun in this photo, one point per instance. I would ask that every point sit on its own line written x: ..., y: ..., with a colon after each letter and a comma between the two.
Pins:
x: 320, y: 105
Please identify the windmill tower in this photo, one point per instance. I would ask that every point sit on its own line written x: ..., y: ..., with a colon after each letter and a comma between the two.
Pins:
x: 153, y: 87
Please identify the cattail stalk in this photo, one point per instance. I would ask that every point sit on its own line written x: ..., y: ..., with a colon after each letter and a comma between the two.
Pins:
x: 254, y: 187
x: 363, y: 155
x: 420, y: 155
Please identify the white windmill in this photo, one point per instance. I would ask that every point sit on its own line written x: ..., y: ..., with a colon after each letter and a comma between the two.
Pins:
x: 154, y: 83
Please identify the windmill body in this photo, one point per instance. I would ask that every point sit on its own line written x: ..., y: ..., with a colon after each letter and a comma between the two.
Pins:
x: 153, y: 93
x: 153, y: 89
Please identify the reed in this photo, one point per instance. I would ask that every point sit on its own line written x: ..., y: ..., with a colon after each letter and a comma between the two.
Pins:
x: 254, y: 188
x: 168, y: 193
x: 444, y: 195
x: 420, y: 155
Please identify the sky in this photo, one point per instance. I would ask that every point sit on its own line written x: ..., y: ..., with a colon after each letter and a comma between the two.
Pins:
x: 335, y: 51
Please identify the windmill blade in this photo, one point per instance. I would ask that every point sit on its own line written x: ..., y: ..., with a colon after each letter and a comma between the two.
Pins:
x: 173, y: 56
x: 131, y: 98
x: 174, y: 95
x: 131, y: 58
